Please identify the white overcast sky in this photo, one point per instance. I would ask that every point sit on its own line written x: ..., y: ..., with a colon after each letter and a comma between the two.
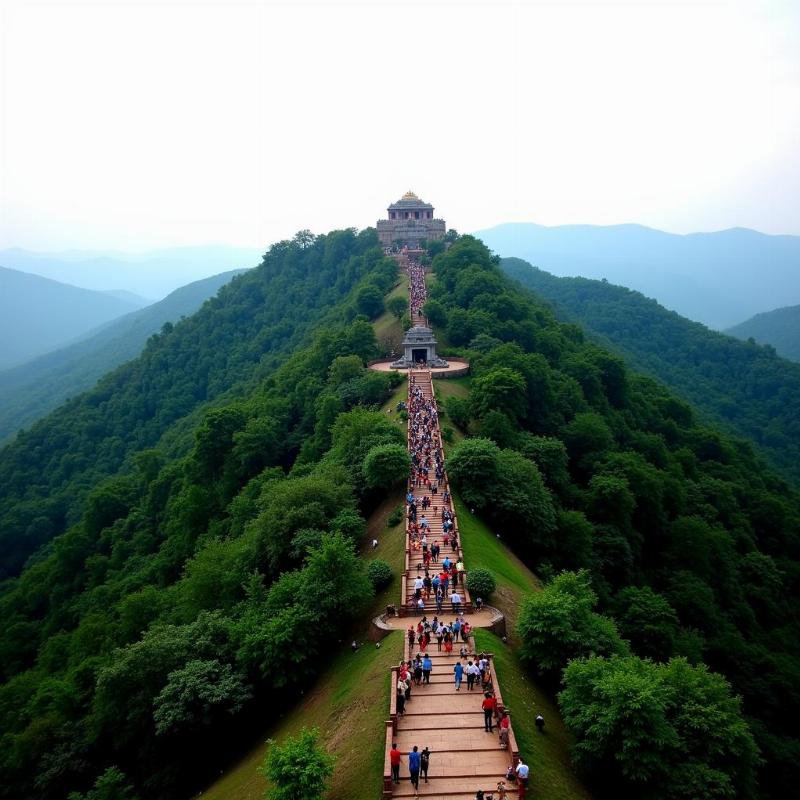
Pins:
x: 147, y: 123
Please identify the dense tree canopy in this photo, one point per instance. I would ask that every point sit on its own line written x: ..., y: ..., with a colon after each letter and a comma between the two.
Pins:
x: 199, y: 511
x: 684, y: 533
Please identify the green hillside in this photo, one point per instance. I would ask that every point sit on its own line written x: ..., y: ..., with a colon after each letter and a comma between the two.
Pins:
x: 186, y: 537
x: 744, y: 387
x: 779, y: 328
x: 29, y: 391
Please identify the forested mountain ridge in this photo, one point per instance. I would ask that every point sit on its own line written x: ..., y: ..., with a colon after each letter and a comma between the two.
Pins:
x: 745, y: 387
x: 717, y: 278
x: 681, y: 530
x: 38, y: 315
x: 207, y: 567
x: 779, y: 328
x: 238, y: 337
x: 29, y: 391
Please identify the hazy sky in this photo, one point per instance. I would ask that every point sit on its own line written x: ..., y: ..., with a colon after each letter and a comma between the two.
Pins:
x: 147, y: 123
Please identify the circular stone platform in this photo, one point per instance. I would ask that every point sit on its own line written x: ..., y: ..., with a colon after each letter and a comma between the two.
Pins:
x: 455, y: 367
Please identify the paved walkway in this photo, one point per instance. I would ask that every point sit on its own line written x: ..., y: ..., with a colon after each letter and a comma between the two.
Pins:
x: 455, y: 367
x: 450, y: 723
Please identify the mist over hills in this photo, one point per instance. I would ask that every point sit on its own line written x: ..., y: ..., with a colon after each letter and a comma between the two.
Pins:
x: 29, y: 391
x: 744, y: 387
x: 152, y: 274
x: 38, y: 314
x: 716, y: 278
x: 779, y: 328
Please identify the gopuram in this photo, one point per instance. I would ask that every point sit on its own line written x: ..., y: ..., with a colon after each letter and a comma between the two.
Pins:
x: 409, y: 222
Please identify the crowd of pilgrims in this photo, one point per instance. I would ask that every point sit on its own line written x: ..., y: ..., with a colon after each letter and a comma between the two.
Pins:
x: 427, y: 472
x: 417, y: 292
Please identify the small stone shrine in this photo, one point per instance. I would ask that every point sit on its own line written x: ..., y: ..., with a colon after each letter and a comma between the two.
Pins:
x: 419, y: 347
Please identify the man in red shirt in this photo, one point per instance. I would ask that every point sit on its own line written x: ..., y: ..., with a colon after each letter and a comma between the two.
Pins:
x: 394, y: 760
x: 488, y: 705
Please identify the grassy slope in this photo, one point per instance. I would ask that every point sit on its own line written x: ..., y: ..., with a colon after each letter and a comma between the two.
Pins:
x: 388, y: 329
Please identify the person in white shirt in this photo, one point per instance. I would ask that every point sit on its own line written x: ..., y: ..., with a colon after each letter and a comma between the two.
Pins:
x: 522, y: 773
x: 455, y: 599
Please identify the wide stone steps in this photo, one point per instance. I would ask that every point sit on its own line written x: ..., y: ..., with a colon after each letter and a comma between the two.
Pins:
x: 461, y: 786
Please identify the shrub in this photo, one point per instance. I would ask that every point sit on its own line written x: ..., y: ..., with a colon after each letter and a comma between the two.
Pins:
x: 379, y: 573
x: 481, y: 583
x: 298, y: 769
x: 395, y: 518
x: 447, y: 434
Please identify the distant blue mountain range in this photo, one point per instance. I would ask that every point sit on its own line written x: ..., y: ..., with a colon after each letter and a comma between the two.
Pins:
x: 152, y: 274
x: 719, y: 278
x: 31, y: 390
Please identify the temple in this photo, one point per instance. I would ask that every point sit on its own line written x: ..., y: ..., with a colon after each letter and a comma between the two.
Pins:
x: 409, y: 222
x: 419, y: 348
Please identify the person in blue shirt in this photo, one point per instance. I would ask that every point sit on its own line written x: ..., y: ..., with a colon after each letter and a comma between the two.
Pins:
x: 458, y: 671
x: 427, y: 666
x: 413, y: 767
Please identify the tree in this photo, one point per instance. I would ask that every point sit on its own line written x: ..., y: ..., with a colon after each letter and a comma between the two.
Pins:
x: 435, y: 311
x: 343, y: 369
x: 335, y: 584
x: 369, y: 301
x: 197, y: 695
x: 671, y: 730
x: 496, y: 426
x: 385, y: 465
x: 481, y: 583
x: 521, y: 498
x: 397, y: 306
x: 587, y: 438
x: 111, y: 785
x: 573, y: 540
x: 298, y: 769
x: 647, y: 621
x: 379, y: 573
x: 611, y: 500
x: 558, y: 624
x: 499, y: 389
x: 473, y: 469
x: 549, y: 454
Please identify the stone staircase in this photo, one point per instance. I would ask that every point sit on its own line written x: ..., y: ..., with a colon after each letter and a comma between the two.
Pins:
x: 413, y: 560
x: 450, y: 723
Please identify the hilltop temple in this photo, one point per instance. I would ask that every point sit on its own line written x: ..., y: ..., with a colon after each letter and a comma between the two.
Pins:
x: 409, y: 222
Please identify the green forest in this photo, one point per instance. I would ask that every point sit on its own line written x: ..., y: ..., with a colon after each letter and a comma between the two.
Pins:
x: 740, y: 385
x: 179, y: 542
